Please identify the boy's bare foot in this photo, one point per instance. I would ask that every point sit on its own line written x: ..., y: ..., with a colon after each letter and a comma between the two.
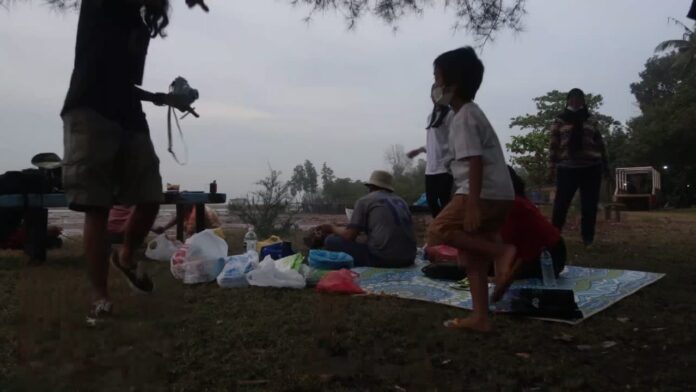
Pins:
x: 505, y: 269
x: 471, y: 323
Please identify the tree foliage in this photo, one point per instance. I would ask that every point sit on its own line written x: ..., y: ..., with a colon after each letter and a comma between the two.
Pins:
x: 483, y: 18
x: 531, y: 149
x: 397, y: 159
x: 304, y: 180
x: 683, y: 50
x: 665, y: 132
x: 327, y: 175
x: 269, y: 209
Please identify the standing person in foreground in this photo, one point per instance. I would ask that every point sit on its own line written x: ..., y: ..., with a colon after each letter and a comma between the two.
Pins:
x: 109, y: 157
x: 438, y: 180
x: 387, y: 221
x: 484, y: 195
x: 578, y: 160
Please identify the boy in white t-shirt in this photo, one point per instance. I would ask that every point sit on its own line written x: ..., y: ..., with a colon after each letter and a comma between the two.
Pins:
x: 484, y: 193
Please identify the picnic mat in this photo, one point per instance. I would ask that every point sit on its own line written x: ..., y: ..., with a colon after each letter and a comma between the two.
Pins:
x: 595, y: 289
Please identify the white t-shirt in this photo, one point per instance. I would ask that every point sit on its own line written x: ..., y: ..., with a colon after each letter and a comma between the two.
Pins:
x: 436, y: 147
x: 471, y: 134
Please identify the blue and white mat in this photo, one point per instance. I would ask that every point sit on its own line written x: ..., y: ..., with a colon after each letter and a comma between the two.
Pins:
x: 595, y: 289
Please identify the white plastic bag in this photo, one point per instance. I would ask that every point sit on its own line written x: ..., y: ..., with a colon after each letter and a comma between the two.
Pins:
x: 200, y: 259
x: 234, y: 272
x: 161, y: 248
x: 268, y: 275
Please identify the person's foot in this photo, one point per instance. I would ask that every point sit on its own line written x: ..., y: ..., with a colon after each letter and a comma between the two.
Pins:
x: 477, y: 324
x: 505, y: 269
x: 99, y: 310
x: 135, y: 276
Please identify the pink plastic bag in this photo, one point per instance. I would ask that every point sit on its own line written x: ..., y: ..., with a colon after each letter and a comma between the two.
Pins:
x: 342, y: 281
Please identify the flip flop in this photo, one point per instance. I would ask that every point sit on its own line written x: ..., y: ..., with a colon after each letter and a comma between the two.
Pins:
x: 138, y: 280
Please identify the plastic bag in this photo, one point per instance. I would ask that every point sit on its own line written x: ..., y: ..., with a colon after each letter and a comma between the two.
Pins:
x: 342, y: 281
x: 161, y: 248
x: 200, y: 259
x: 328, y: 260
x: 234, y: 272
x: 268, y: 275
x: 290, y: 262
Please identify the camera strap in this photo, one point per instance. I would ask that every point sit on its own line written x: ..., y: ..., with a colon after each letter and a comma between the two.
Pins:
x: 170, y: 146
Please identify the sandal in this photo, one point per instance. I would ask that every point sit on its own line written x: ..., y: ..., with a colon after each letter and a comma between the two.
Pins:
x: 136, y: 278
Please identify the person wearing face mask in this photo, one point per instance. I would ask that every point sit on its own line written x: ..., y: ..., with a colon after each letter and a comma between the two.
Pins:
x: 438, y: 180
x: 577, y: 161
x: 471, y: 221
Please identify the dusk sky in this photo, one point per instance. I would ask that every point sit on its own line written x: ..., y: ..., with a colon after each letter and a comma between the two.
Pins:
x: 276, y: 91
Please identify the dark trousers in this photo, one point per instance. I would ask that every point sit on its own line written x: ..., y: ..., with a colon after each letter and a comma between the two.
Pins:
x: 438, y: 191
x: 568, y: 181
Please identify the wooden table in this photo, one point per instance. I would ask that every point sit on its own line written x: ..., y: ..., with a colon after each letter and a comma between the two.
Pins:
x: 36, y: 214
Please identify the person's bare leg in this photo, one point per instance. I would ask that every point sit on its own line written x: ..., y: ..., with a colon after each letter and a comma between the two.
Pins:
x: 139, y: 225
x: 97, y: 251
x: 502, y: 255
x: 477, y: 272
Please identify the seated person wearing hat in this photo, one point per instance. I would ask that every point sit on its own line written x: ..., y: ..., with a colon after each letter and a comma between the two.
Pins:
x: 386, y: 220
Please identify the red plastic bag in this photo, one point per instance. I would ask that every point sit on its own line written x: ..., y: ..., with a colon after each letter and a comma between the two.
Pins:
x: 341, y: 281
x: 442, y: 254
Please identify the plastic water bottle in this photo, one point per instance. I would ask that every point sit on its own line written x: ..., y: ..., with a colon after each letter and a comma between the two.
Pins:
x: 250, y: 239
x: 547, y: 272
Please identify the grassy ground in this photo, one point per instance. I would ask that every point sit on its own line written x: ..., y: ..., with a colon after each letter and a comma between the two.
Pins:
x: 199, y: 338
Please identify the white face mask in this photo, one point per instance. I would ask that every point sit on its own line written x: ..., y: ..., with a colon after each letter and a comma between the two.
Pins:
x: 572, y: 109
x: 439, y: 96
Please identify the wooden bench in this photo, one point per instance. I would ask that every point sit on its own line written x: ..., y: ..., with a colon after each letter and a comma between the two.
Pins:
x: 36, y: 214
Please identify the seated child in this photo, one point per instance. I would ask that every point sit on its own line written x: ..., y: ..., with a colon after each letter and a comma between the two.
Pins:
x: 530, y: 232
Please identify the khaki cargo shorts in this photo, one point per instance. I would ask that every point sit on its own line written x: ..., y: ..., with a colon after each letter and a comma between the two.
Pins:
x: 451, y: 219
x: 104, y: 164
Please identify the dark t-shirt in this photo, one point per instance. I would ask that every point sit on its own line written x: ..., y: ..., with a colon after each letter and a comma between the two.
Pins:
x: 528, y: 230
x: 386, y: 219
x: 110, y: 52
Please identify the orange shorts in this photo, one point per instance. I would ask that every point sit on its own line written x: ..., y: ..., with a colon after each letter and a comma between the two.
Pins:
x: 451, y: 218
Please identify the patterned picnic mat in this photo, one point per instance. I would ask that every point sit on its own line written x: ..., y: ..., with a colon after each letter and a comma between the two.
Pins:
x: 595, y: 289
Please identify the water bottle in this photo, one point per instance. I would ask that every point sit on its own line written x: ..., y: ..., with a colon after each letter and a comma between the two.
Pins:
x: 250, y: 239
x: 547, y: 272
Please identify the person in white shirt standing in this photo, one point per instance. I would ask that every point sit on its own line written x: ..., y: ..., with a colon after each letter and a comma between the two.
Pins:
x: 438, y: 180
x: 484, y: 196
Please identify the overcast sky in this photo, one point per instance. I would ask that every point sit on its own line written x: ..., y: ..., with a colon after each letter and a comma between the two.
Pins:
x: 276, y: 91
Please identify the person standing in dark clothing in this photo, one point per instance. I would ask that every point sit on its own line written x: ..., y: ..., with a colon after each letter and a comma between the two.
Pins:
x: 578, y: 161
x: 109, y: 157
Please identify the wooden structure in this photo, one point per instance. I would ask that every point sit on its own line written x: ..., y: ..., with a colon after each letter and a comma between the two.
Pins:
x: 638, y: 188
x: 36, y: 214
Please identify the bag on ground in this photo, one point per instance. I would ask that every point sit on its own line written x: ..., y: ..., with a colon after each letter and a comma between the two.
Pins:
x: 342, y: 281
x: 442, y: 254
x: 268, y: 275
x: 290, y: 262
x: 201, y: 259
x: 277, y: 250
x: 161, y: 248
x: 268, y: 241
x: 234, y: 272
x: 328, y: 260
